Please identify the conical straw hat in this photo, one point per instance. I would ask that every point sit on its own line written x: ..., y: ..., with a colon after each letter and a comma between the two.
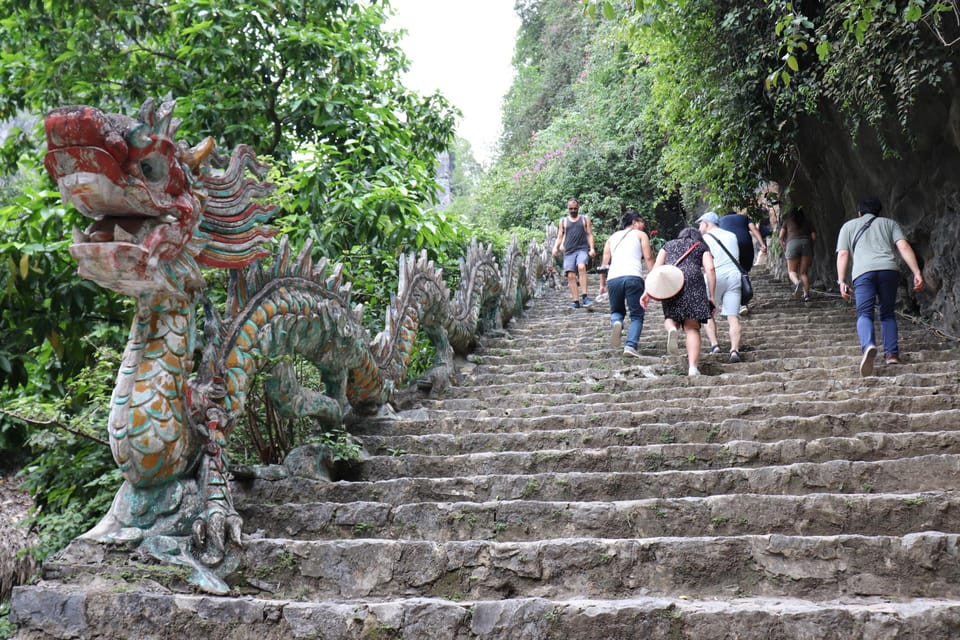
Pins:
x: 664, y: 282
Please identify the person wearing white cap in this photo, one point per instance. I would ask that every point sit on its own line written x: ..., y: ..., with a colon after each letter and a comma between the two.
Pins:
x: 728, y: 280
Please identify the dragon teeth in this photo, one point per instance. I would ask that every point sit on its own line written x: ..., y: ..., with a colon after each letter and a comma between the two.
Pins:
x: 121, y: 235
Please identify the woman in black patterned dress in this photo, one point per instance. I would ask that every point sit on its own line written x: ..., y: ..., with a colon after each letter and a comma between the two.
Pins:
x: 694, y: 305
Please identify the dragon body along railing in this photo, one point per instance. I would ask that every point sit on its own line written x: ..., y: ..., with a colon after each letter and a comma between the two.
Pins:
x: 161, y: 210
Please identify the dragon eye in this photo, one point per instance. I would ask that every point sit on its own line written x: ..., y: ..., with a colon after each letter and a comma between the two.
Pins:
x: 154, y: 169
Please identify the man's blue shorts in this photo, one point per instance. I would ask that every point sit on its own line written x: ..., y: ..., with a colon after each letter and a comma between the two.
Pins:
x: 572, y: 259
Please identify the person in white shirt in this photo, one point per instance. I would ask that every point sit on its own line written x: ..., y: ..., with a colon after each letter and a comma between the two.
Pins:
x: 626, y: 253
x: 728, y: 280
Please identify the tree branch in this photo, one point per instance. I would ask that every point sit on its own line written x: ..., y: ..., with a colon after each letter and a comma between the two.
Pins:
x: 53, y: 423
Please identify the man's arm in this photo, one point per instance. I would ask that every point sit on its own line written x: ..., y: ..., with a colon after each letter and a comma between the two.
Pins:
x: 755, y: 232
x: 605, y: 262
x: 588, y: 227
x: 646, y: 249
x: 906, y: 252
x: 710, y: 271
x: 843, y: 261
x: 561, y: 230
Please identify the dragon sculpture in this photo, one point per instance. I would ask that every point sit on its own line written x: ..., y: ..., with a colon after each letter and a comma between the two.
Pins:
x: 160, y: 211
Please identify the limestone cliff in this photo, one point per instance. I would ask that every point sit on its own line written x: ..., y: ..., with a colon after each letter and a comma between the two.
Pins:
x: 917, y: 179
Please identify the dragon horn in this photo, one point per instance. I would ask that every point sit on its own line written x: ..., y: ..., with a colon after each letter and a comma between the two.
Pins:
x: 195, y: 156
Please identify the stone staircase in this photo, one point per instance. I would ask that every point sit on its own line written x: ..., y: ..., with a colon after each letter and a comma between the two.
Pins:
x: 560, y: 490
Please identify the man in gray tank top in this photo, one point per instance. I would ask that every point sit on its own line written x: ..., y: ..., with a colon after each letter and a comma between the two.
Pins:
x: 575, y: 235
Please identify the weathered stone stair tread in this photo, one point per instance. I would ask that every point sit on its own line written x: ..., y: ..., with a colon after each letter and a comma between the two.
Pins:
x: 418, y: 438
x: 529, y: 520
x: 737, y: 453
x: 95, y: 613
x: 833, y: 367
x: 602, y: 415
x: 625, y: 430
x: 624, y: 391
x: 915, y: 399
x: 918, y: 565
x: 903, y: 475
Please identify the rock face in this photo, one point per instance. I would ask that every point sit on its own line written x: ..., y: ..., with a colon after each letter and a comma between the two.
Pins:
x: 560, y: 490
x: 918, y: 181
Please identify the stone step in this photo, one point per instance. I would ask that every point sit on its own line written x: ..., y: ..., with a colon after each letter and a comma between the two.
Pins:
x: 528, y: 520
x: 621, y: 391
x: 660, y: 457
x: 654, y: 365
x: 597, y: 408
x: 918, y: 565
x: 106, y: 611
x: 606, y: 415
x: 419, y: 436
x: 907, y: 475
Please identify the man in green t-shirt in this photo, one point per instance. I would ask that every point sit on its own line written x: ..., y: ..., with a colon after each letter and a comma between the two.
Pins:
x: 870, y: 240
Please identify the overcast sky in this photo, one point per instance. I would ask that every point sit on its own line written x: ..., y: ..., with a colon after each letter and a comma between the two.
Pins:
x: 463, y: 48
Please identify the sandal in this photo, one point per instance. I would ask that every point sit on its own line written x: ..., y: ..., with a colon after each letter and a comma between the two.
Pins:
x: 714, y: 348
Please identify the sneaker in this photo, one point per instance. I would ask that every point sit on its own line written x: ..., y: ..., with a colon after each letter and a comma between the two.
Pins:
x: 892, y: 358
x: 616, y: 334
x: 631, y: 351
x: 575, y: 305
x: 796, y: 290
x: 734, y: 356
x: 672, y: 342
x: 806, y: 297
x: 693, y: 371
x: 866, y: 362
x: 714, y: 348
x: 585, y: 301
x: 744, y: 310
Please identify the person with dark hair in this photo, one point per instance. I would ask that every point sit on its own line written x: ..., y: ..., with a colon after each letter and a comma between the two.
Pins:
x: 870, y: 241
x: 575, y: 235
x: 797, y: 236
x: 742, y: 225
x: 693, y: 306
x: 628, y: 255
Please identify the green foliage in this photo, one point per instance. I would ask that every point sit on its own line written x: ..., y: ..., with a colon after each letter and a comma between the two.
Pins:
x: 548, y: 56
x: 72, y: 475
x: 7, y: 628
x: 731, y: 79
x: 313, y: 86
x: 873, y: 59
x: 74, y: 481
x: 603, y: 149
x: 42, y: 340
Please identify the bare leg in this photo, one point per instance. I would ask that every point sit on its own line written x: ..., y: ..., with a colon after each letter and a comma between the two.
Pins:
x: 582, y: 269
x: 572, y: 284
x: 793, y: 270
x: 735, y: 331
x: 711, y: 331
x: 691, y: 330
x: 805, y: 262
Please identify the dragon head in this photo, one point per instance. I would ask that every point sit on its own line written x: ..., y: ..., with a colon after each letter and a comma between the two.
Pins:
x: 147, y: 196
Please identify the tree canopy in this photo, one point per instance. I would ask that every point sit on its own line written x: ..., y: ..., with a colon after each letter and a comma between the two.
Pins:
x: 313, y: 86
